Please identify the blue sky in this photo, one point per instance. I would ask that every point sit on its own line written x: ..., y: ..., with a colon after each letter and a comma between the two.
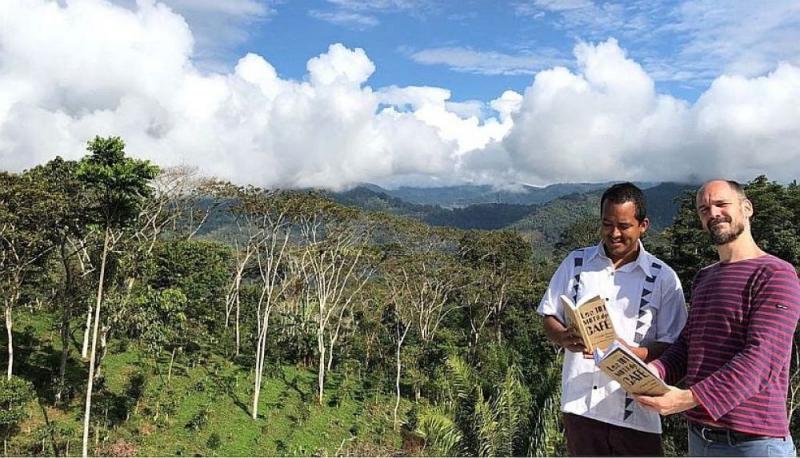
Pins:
x: 478, y: 49
x: 332, y: 93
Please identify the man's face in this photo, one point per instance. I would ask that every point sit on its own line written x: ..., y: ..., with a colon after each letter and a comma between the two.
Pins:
x: 723, y: 214
x: 621, y: 230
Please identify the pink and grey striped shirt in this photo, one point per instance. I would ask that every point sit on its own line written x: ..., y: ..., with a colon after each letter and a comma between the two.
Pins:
x: 736, y: 348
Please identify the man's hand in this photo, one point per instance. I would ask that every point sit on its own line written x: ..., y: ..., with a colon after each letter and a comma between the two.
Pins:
x: 572, y: 341
x: 674, y: 401
x: 563, y: 336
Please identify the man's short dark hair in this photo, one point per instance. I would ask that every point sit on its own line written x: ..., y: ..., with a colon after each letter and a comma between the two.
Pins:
x: 626, y: 192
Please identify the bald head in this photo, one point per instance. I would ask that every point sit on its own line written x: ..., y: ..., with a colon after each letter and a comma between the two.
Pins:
x: 733, y: 185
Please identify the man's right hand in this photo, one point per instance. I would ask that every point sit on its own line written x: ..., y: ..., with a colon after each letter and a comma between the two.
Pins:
x: 572, y: 341
x: 562, y: 336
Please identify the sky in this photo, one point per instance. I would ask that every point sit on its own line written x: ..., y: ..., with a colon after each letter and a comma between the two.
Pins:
x: 332, y: 93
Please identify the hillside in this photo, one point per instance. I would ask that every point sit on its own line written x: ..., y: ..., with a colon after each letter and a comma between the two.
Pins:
x: 543, y: 222
x: 547, y: 222
x: 465, y: 195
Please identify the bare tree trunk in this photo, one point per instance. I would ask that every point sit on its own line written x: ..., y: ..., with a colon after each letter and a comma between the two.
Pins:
x: 321, y: 374
x: 237, y: 324
x: 171, y: 361
x: 9, y: 324
x: 85, y: 347
x: 257, y: 382
x: 105, y: 331
x: 90, y: 383
x: 261, y: 350
x: 65, y: 319
x: 397, y: 378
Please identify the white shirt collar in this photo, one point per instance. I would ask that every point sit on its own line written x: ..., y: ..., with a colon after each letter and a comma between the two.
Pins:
x: 643, y: 260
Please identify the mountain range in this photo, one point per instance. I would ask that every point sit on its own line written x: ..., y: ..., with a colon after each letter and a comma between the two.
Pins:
x: 540, y: 213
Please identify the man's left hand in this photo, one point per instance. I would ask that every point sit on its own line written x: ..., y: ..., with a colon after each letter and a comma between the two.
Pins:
x: 674, y: 401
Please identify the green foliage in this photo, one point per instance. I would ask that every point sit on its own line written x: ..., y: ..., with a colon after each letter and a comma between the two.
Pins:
x: 27, y: 228
x: 14, y: 396
x: 547, y: 436
x: 158, y: 318
x: 199, y: 269
x: 199, y: 420
x: 214, y: 441
x: 117, y: 183
x: 583, y: 232
x: 440, y: 432
x: 474, y: 424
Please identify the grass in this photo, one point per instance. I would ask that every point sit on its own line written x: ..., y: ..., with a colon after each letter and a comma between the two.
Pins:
x: 203, y: 410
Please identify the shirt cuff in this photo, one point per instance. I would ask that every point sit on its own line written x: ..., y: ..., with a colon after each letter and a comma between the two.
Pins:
x: 662, y: 372
x: 704, y: 401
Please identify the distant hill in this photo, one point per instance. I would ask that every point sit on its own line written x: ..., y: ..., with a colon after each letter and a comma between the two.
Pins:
x: 547, y: 222
x: 543, y: 221
x: 481, y: 216
x: 661, y: 202
x: 465, y: 195
x: 540, y: 222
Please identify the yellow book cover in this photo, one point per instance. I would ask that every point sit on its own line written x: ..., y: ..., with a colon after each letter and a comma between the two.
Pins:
x: 591, y: 320
x: 629, y: 371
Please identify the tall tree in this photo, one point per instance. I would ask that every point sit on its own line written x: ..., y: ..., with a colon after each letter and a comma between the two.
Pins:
x: 26, y: 235
x: 68, y: 220
x: 498, y: 261
x: 271, y: 214
x: 118, y: 185
x: 332, y: 262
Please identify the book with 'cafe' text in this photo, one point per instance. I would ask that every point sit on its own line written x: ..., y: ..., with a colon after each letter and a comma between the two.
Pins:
x: 623, y: 366
x: 591, y: 321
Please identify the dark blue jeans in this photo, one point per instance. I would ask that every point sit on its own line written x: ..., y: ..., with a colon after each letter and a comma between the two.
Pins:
x: 773, y: 446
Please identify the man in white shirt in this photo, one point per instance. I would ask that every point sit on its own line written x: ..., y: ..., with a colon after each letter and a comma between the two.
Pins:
x: 645, y: 301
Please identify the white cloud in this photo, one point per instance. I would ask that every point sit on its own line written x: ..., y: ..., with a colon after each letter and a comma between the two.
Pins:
x: 346, y: 18
x: 238, y: 8
x: 380, y: 5
x: 88, y: 67
x: 562, y: 5
x: 218, y: 27
x: 741, y: 37
x: 71, y: 71
x: 690, y: 40
x: 363, y: 14
x: 606, y: 121
x: 468, y: 60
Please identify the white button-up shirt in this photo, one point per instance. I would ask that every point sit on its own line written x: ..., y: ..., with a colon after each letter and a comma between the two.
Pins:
x: 645, y: 301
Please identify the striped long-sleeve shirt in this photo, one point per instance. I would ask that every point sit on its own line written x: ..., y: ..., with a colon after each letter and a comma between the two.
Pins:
x: 736, y: 348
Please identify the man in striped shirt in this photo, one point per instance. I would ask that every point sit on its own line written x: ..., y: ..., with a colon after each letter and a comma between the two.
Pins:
x: 735, y: 350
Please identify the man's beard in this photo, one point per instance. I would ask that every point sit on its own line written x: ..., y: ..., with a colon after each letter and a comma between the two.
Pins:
x: 721, y: 238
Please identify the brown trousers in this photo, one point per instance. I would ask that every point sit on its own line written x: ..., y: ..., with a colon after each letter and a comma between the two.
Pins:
x: 588, y: 437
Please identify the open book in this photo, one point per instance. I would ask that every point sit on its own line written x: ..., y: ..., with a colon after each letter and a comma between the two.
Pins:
x: 591, y: 321
x: 619, y: 363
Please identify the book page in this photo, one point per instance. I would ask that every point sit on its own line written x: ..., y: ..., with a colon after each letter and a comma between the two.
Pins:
x: 570, y: 313
x: 596, y: 323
